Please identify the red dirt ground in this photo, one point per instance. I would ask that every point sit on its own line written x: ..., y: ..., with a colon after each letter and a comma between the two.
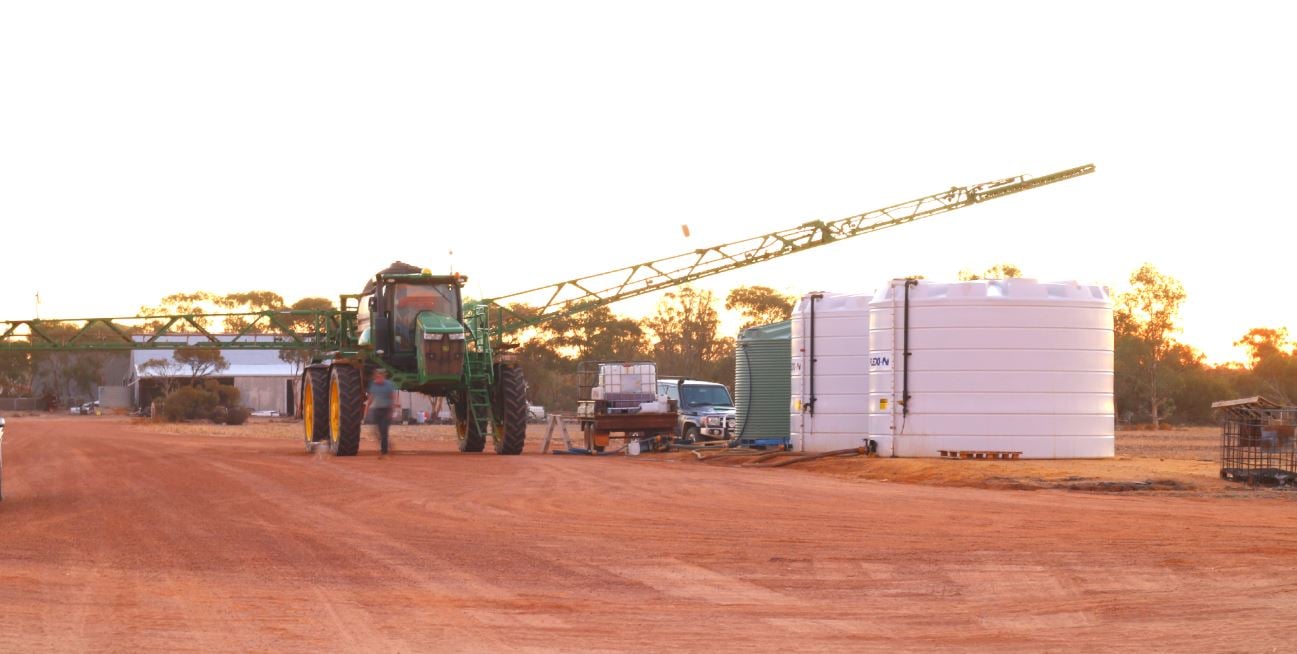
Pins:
x: 122, y: 537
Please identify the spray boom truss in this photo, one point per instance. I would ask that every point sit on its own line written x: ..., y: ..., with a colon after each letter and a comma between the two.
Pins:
x: 262, y: 330
x: 335, y: 329
x: 585, y: 293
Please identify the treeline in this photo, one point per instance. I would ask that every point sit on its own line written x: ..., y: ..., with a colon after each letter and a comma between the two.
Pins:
x: 1159, y: 379
x: 60, y: 378
x: 682, y: 336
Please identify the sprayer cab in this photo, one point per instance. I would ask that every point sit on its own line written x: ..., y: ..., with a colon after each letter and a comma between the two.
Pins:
x: 412, y: 320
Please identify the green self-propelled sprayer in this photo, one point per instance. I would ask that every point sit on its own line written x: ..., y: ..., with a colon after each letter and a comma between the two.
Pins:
x: 413, y: 325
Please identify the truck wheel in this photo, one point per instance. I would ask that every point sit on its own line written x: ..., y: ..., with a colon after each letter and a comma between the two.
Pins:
x: 346, y: 406
x: 514, y: 395
x: 315, y: 406
x: 471, y: 439
x: 691, y: 434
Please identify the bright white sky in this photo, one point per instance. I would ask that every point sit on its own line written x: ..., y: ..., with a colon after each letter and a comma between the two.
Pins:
x: 154, y: 147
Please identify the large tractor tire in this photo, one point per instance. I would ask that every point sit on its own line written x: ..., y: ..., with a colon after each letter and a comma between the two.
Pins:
x: 315, y: 406
x: 513, y: 411
x: 346, y: 410
x: 471, y: 439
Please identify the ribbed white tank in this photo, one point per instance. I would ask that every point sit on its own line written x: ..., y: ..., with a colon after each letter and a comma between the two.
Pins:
x: 1000, y: 365
x: 834, y: 414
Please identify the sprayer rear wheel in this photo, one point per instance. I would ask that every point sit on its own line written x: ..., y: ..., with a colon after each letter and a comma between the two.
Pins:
x: 513, y: 395
x: 346, y: 410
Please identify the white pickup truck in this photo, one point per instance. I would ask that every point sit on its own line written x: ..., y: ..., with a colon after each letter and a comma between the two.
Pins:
x: 535, y: 412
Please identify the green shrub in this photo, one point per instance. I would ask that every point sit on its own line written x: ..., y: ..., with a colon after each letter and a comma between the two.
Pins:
x: 188, y: 404
x: 226, y: 395
x: 220, y: 403
x: 237, y: 415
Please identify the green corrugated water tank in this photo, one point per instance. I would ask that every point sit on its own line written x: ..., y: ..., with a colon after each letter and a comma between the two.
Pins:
x: 763, y: 381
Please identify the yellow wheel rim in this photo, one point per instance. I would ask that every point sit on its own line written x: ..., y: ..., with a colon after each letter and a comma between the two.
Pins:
x: 308, y: 409
x: 335, y: 410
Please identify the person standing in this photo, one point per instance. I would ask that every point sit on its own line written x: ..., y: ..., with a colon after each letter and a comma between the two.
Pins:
x: 380, y: 401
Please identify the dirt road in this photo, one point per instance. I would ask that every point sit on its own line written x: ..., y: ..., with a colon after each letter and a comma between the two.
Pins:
x: 113, y: 538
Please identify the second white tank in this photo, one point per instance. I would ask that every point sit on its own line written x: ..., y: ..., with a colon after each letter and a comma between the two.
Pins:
x: 999, y: 365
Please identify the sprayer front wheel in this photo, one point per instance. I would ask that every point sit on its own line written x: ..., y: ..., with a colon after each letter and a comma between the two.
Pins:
x: 470, y: 437
x: 346, y: 410
x: 315, y: 406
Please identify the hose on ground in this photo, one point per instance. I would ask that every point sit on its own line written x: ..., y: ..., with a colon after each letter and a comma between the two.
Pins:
x: 766, y: 463
x: 581, y: 451
x: 704, y: 455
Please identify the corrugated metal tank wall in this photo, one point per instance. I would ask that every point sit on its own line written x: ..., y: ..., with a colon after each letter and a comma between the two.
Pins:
x: 762, y: 381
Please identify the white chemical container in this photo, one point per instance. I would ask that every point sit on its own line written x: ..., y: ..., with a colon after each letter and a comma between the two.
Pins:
x: 1000, y: 365
x: 830, y: 366
x: 627, y: 378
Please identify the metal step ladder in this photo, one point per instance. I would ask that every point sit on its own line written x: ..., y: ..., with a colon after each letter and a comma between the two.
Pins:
x: 478, y: 369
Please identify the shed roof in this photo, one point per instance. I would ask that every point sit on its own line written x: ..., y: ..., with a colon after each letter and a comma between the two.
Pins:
x: 243, y: 363
x: 1254, y: 408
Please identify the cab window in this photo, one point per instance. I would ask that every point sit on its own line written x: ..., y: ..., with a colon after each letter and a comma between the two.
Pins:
x: 410, y: 299
x: 669, y: 389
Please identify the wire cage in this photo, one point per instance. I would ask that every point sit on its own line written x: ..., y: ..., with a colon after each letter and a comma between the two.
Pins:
x: 1257, y: 443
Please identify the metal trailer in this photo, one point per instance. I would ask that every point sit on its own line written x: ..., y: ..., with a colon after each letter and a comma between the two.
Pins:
x: 620, y: 397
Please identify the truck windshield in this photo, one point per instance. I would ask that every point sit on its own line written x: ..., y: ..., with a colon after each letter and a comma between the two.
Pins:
x: 706, y: 395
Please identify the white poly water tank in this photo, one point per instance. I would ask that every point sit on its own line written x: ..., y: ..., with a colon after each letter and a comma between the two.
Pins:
x: 830, y: 366
x: 1011, y: 365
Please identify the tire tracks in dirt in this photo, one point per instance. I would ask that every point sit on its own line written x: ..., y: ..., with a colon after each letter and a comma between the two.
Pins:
x: 116, y: 538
